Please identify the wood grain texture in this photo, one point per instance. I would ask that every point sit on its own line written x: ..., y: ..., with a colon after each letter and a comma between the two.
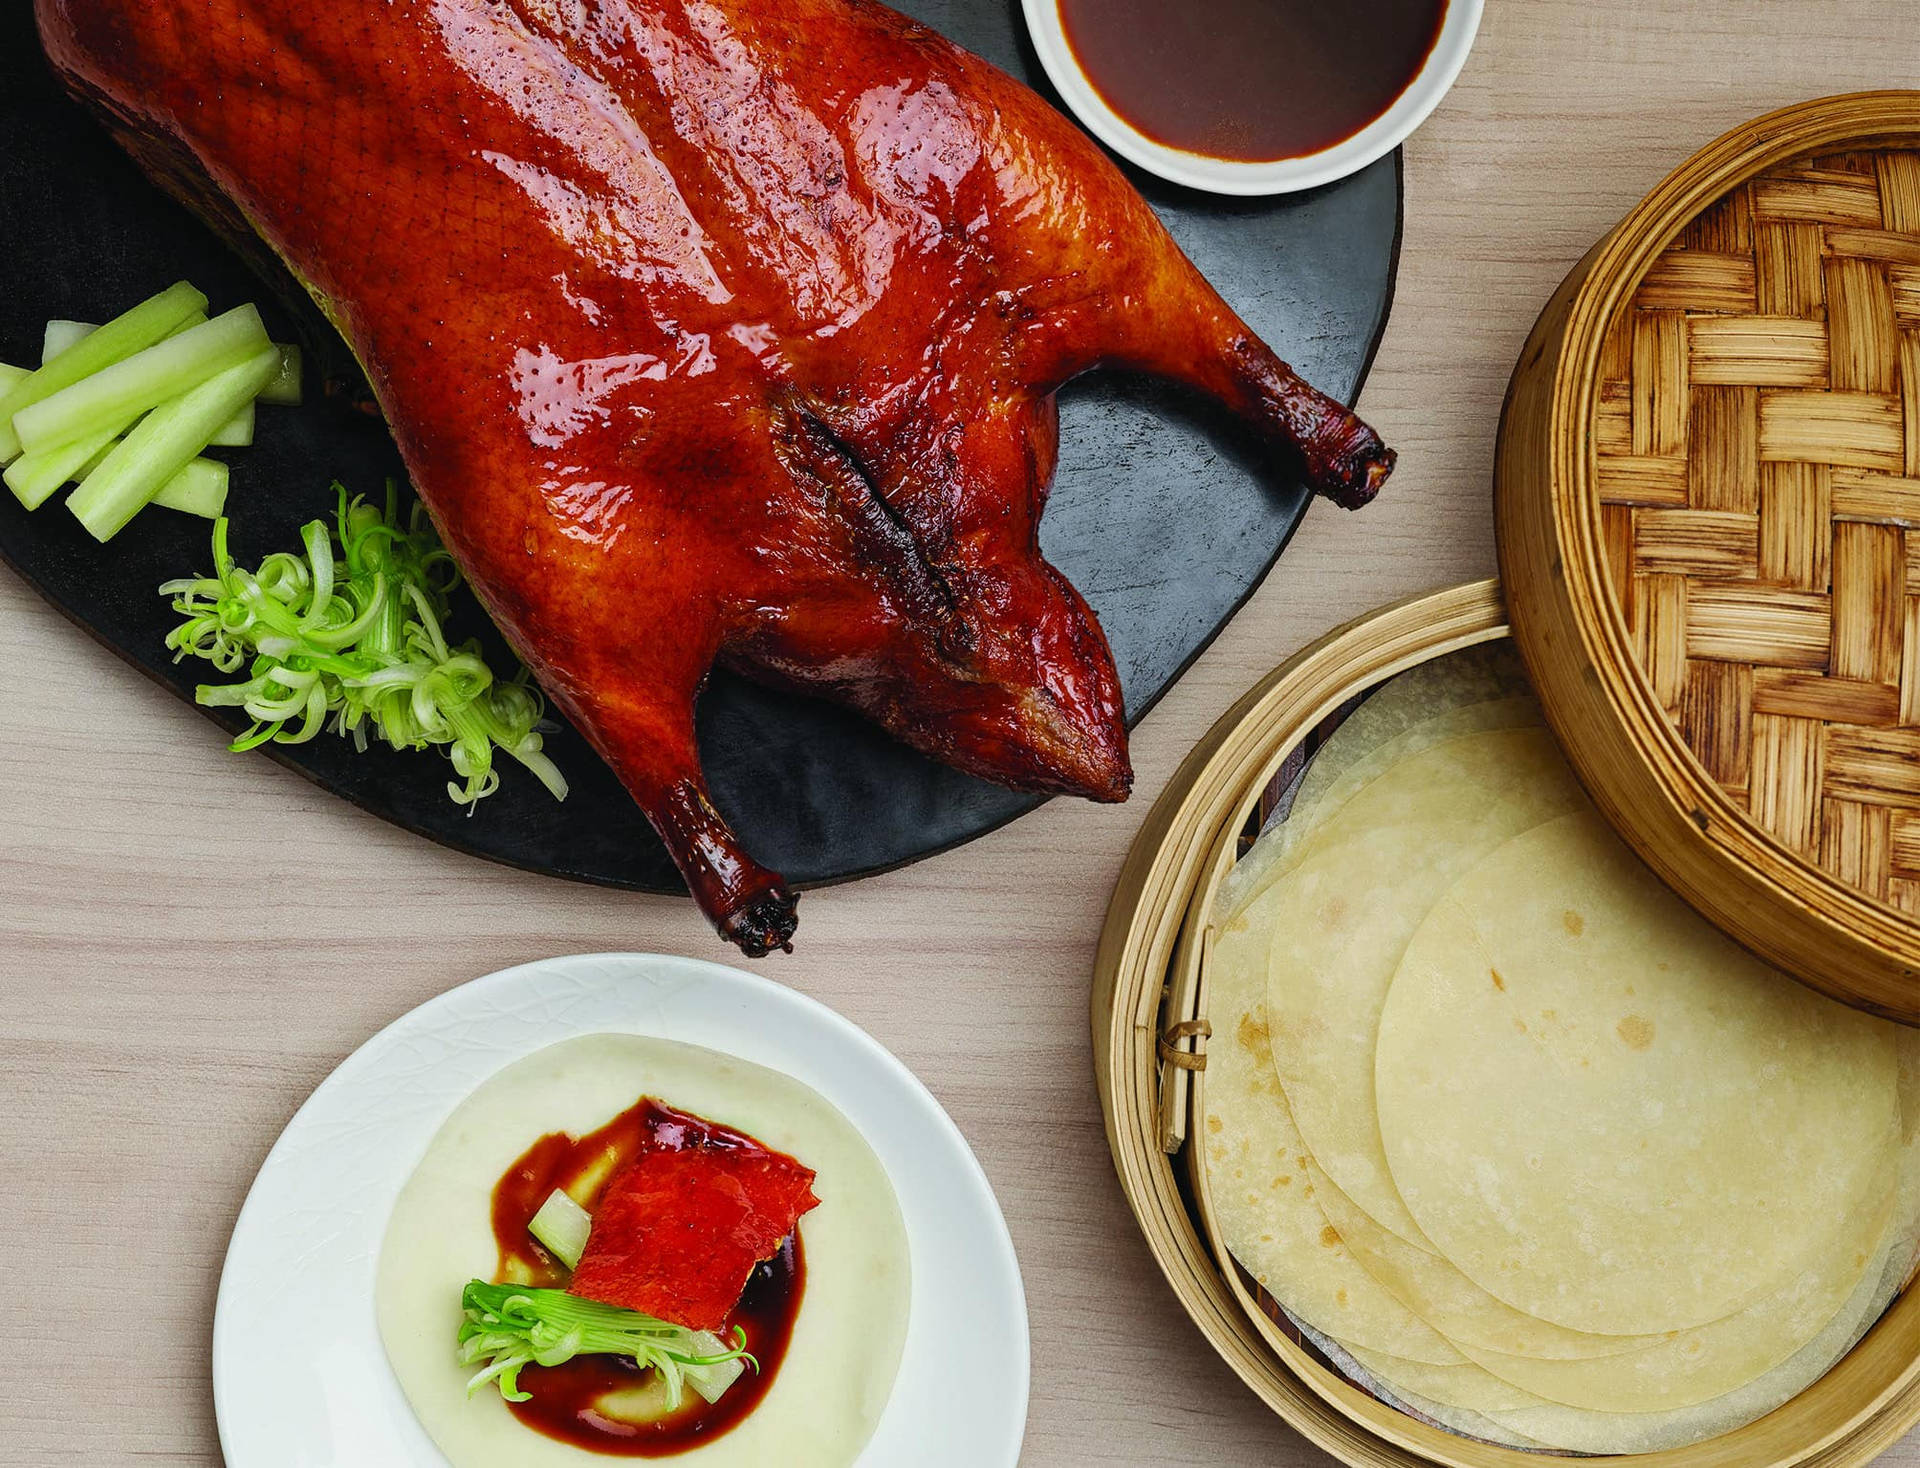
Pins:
x: 189, y: 941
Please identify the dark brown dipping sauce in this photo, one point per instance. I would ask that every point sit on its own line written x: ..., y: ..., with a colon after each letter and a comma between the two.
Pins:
x: 1251, y: 80
x: 564, y: 1396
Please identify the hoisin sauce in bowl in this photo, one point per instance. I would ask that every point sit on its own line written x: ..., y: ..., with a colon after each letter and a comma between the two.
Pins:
x: 1253, y: 81
x: 1252, y: 97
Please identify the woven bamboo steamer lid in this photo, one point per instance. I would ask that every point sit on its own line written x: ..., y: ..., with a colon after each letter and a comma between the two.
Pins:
x: 1150, y: 1036
x: 1708, y: 503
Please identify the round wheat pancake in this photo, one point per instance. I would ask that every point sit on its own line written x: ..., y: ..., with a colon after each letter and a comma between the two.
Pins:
x: 1255, y: 1167
x: 1710, y: 1360
x: 1448, y: 1397
x: 1604, y: 1112
x: 1345, y: 766
x: 1461, y: 1421
x: 1255, y: 1161
x: 1466, y: 1386
x: 1466, y: 1315
x: 1404, y: 1398
x: 851, y: 1324
x: 1576, y: 1430
x: 1620, y: 1373
x: 1477, y: 689
x: 1348, y: 906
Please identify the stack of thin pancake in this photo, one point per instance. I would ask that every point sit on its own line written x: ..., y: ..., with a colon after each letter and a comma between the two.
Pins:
x: 1524, y: 1143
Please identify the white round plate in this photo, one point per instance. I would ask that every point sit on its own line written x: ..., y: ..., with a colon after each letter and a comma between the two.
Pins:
x: 300, y: 1379
x: 1282, y: 176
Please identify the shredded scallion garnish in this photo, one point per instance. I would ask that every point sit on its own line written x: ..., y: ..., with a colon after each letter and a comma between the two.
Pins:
x: 349, y: 634
x: 510, y: 1327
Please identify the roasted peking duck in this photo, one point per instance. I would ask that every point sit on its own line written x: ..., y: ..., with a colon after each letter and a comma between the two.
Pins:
x: 713, y: 330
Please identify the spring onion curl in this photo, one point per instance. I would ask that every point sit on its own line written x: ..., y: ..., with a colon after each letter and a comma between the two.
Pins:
x: 510, y: 1327
x: 349, y: 635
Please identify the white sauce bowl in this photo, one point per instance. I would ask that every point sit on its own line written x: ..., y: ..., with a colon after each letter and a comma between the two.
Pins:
x: 1226, y: 175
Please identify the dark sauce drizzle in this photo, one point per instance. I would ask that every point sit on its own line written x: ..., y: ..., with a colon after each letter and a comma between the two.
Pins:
x: 1251, y: 80
x: 564, y: 1396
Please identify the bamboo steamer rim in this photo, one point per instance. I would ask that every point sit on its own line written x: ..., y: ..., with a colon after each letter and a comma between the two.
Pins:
x: 1598, y: 696
x: 1847, y: 1418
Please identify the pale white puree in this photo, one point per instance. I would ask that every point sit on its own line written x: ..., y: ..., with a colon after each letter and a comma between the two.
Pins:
x: 840, y: 1365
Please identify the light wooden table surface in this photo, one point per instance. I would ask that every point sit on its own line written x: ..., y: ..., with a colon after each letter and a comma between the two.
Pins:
x: 189, y: 941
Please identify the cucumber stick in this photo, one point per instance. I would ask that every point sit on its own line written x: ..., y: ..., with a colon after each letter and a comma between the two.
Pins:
x: 235, y: 433
x: 12, y: 377
x: 124, y: 336
x: 94, y: 463
x: 285, y: 387
x: 180, y: 364
x: 163, y: 442
x: 33, y: 477
x: 200, y: 488
x: 60, y: 335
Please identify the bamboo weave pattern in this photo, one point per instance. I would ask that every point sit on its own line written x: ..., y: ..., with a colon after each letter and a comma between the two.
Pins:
x: 1757, y: 460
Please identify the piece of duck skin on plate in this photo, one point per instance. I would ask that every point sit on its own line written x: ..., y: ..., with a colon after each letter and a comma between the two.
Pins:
x: 715, y: 333
x: 680, y: 1228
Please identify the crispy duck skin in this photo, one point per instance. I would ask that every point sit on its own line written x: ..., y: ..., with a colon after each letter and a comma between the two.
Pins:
x: 714, y: 330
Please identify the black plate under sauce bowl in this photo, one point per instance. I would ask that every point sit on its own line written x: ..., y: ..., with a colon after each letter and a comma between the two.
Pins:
x: 1163, y: 514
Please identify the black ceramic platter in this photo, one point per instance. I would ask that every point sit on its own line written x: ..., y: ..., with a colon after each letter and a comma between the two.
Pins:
x: 1163, y: 514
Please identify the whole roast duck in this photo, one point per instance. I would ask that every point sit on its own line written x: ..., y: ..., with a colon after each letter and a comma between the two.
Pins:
x: 713, y: 330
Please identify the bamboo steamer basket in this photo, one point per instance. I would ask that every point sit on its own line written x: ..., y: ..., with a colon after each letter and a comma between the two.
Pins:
x: 1708, y: 505
x: 1150, y: 1036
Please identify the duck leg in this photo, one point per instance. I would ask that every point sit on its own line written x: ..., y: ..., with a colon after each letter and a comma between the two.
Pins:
x: 1159, y: 316
x: 651, y: 748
